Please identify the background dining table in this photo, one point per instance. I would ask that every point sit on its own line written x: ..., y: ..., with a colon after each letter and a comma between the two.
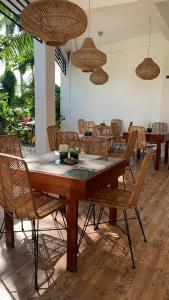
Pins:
x: 158, y: 139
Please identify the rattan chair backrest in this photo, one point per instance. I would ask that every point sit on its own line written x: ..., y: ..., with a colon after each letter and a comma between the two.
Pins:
x: 118, y: 122
x: 81, y: 126
x: 102, y: 130
x: 52, y: 131
x: 158, y: 127
x: 10, y: 144
x: 115, y: 130
x: 15, y: 189
x: 94, y: 145
x: 140, y: 180
x: 131, y: 144
x: 71, y: 138
x: 141, y: 139
x: 130, y: 124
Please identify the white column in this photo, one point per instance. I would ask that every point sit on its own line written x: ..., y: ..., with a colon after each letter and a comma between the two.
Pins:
x: 66, y: 103
x: 44, y: 94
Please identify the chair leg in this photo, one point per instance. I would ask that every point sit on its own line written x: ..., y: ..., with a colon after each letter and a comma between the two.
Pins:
x: 131, y: 172
x: 35, y: 241
x: 141, y: 225
x: 99, y: 217
x: 64, y: 218
x: 94, y: 215
x: 22, y: 228
x: 129, y: 239
x: 2, y: 228
x: 124, y: 184
x: 88, y: 217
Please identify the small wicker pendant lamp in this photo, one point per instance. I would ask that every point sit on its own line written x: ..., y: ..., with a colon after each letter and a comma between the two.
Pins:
x: 99, y: 76
x: 55, y: 21
x: 88, y: 57
x: 148, y: 69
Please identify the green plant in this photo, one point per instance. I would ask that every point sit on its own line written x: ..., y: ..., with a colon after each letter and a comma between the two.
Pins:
x: 59, y: 117
x: 9, y: 82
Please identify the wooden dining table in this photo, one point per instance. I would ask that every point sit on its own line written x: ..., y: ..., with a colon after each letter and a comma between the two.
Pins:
x: 78, y: 181
x: 158, y: 139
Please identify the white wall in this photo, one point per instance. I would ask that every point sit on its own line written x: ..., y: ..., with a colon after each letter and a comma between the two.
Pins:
x: 125, y: 96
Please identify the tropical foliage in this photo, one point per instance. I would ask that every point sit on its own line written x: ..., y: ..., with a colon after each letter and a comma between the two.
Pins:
x: 17, y: 96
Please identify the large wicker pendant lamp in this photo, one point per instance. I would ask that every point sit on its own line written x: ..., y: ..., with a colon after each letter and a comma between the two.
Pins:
x: 99, y: 76
x: 55, y: 21
x: 148, y: 69
x: 88, y: 57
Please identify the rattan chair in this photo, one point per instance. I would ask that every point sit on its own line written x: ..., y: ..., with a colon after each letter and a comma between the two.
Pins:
x: 81, y: 126
x: 141, y: 143
x: 52, y: 132
x: 130, y: 124
x: 102, y: 130
x: 121, y: 199
x: 10, y: 144
x: 70, y: 138
x: 159, y: 127
x: 18, y: 199
x: 118, y: 122
x: 118, y: 142
x: 127, y: 154
x: 94, y: 145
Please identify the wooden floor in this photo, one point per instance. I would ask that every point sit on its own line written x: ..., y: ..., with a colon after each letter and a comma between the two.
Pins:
x: 104, y: 266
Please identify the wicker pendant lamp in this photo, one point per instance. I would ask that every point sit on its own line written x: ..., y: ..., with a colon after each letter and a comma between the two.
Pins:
x: 99, y: 76
x: 148, y: 69
x: 88, y: 57
x: 55, y: 21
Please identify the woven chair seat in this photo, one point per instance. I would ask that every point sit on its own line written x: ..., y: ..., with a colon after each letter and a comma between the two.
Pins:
x: 112, y: 198
x: 44, y: 205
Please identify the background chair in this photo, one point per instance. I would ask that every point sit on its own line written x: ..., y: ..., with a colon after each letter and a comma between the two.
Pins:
x: 141, y: 144
x: 94, y: 145
x: 122, y: 199
x: 128, y: 152
x: 130, y: 124
x: 10, y: 144
x: 85, y: 126
x: 18, y: 199
x: 102, y: 130
x: 71, y: 138
x: 158, y: 127
x: 119, y: 123
x: 81, y: 126
x: 118, y: 142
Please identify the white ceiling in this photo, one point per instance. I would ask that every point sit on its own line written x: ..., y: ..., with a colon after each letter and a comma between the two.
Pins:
x: 123, y: 19
x: 120, y: 19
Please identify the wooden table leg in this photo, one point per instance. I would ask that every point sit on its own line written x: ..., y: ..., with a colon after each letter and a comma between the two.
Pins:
x: 166, y: 152
x: 113, y: 211
x: 138, y: 153
x: 158, y: 154
x: 72, y: 234
x: 9, y: 230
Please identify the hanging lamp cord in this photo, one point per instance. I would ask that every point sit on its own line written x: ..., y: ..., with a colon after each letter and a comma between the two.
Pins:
x: 149, y: 37
x: 89, y: 20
